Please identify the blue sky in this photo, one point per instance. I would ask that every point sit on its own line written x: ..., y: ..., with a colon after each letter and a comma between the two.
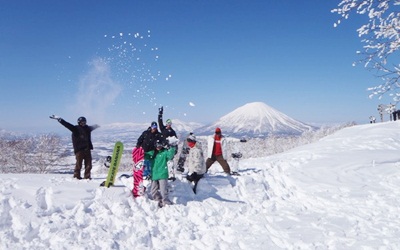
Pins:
x: 118, y: 61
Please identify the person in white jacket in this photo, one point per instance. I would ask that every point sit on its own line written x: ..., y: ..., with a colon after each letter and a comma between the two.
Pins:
x: 195, y: 160
x: 217, y: 151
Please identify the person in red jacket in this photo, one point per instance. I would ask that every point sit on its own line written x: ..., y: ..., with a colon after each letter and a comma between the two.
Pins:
x: 217, y: 151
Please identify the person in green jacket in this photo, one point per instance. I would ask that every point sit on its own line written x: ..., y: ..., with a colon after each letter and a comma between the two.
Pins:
x: 159, y: 171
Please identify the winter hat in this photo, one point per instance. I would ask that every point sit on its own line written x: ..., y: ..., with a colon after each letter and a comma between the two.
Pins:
x: 191, y: 138
x: 217, y: 130
x: 154, y: 125
x: 81, y: 119
x: 160, y: 143
x: 169, y: 122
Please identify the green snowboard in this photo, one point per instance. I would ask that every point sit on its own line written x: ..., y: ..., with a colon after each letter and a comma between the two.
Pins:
x: 115, y: 160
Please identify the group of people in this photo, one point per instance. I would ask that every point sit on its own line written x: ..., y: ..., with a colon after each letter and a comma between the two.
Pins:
x: 160, y: 148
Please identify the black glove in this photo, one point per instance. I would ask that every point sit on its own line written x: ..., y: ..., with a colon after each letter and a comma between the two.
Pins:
x: 160, y: 110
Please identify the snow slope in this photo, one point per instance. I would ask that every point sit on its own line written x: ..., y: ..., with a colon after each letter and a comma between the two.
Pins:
x: 339, y: 193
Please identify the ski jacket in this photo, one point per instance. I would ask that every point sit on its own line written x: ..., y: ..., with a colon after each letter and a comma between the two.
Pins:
x: 148, y: 139
x: 210, y: 146
x: 159, y: 168
x: 81, y: 135
x: 195, y: 160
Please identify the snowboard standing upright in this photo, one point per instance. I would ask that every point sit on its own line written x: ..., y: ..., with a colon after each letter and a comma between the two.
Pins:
x: 115, y: 160
x: 182, y: 157
x: 139, y: 188
x: 235, y: 164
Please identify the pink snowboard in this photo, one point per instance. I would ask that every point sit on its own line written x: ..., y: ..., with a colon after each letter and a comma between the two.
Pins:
x: 138, y: 167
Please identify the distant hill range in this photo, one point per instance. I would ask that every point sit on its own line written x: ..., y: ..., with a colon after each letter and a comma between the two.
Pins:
x: 250, y: 120
x: 130, y: 131
x: 256, y: 119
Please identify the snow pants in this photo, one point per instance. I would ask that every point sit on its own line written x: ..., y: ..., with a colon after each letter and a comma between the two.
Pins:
x: 86, y: 157
x: 159, y: 190
x: 224, y: 164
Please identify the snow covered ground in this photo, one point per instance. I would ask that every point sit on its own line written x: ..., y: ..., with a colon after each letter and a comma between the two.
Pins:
x: 342, y: 192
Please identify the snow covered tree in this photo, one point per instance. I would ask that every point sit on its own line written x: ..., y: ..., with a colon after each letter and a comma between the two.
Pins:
x: 381, y: 39
x: 33, y: 154
x: 46, y: 151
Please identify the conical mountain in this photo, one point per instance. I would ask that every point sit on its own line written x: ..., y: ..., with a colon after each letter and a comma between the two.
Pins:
x: 256, y: 119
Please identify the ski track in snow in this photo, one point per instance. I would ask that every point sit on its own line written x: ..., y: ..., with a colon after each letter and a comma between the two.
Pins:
x: 340, y: 193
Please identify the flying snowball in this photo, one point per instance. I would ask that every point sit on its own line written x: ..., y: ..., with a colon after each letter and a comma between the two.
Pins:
x: 191, y: 104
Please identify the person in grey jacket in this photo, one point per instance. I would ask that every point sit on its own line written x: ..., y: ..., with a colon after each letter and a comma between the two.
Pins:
x: 195, y: 160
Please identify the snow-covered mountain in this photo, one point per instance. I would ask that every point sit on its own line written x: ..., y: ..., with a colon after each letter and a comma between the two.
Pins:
x: 256, y: 119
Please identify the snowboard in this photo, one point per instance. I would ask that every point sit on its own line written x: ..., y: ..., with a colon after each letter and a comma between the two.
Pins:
x: 173, y: 143
x: 182, y: 158
x: 235, y: 163
x: 115, y: 160
x: 171, y: 170
x: 139, y: 188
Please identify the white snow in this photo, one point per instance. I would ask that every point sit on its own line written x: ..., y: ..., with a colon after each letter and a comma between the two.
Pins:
x: 258, y: 118
x: 342, y: 192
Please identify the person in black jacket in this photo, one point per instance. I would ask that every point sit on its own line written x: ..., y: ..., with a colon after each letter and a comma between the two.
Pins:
x: 82, y: 143
x: 148, y: 138
x: 147, y: 141
x: 168, y: 132
x: 166, y: 129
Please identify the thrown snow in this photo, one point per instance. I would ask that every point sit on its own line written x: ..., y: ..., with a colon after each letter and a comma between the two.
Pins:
x: 342, y: 192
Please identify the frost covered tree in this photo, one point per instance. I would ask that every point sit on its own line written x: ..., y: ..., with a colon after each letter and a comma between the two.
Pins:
x: 46, y: 151
x: 380, y: 36
x: 33, y: 154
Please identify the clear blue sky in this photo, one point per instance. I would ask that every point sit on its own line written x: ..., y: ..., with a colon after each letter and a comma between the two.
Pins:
x: 218, y: 55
